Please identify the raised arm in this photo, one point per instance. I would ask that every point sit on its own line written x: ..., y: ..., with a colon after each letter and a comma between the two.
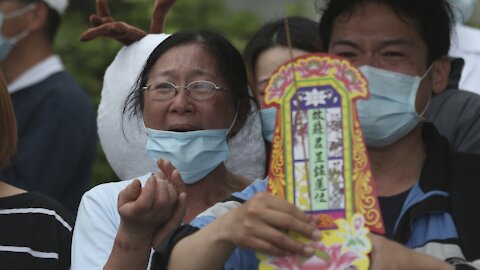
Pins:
x: 104, y: 25
x: 147, y: 214
x: 388, y: 254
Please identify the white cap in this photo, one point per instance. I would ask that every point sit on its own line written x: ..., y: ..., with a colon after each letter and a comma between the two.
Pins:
x: 58, y: 5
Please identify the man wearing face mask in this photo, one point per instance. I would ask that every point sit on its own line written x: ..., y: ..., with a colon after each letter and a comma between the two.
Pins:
x: 55, y: 117
x: 426, y: 191
x: 402, y: 47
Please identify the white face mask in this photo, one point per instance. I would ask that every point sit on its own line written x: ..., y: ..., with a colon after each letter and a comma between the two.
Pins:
x: 194, y: 153
x: 7, y: 44
x: 269, y: 118
x: 389, y: 113
x: 463, y: 9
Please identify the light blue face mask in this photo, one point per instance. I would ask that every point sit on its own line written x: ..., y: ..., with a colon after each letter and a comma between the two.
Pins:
x: 463, y: 9
x: 194, y: 153
x: 389, y: 113
x: 7, y: 44
x: 269, y: 118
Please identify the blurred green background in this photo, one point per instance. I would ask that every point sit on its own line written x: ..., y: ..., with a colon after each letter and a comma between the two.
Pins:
x: 88, y: 61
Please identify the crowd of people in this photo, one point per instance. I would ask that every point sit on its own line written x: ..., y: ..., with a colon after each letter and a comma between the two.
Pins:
x: 196, y: 136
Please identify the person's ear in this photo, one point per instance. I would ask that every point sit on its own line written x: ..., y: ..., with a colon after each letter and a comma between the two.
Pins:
x: 440, y: 74
x: 243, y: 110
x: 38, y: 17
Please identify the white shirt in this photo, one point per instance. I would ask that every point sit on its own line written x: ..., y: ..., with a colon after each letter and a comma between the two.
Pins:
x: 37, y: 73
x: 97, y: 225
x: 466, y: 44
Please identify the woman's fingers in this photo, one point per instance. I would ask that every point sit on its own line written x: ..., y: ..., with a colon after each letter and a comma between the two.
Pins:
x: 119, y: 31
x: 102, y: 8
x: 129, y: 193
x: 146, y: 200
x: 272, y: 226
x: 96, y: 20
x: 267, y: 248
x: 172, y: 175
x: 166, y: 167
x: 160, y: 10
x: 266, y: 200
x: 263, y: 222
x: 177, y: 182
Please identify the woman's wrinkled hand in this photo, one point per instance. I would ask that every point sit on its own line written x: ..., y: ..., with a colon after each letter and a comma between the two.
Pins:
x: 143, y: 210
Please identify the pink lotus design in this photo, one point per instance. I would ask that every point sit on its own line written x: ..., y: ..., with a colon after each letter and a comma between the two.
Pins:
x: 325, y: 258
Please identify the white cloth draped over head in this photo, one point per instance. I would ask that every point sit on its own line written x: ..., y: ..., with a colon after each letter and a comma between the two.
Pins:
x: 127, y: 154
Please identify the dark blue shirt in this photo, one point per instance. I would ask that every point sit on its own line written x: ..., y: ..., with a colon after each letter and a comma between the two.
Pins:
x: 57, y: 140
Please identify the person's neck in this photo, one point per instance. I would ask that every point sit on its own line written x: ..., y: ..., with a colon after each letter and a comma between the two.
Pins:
x: 26, y: 54
x: 216, y: 186
x: 398, y: 167
x: 7, y: 190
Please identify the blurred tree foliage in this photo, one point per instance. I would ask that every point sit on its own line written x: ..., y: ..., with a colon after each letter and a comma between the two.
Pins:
x: 88, y: 61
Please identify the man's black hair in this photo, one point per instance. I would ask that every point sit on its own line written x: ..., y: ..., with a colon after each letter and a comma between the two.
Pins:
x: 433, y: 19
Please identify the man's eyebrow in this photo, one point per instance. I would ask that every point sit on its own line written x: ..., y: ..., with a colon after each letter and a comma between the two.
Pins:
x: 386, y: 43
x: 399, y: 41
x: 345, y: 42
x: 193, y: 71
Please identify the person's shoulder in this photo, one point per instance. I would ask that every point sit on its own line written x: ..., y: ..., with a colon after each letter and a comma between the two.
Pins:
x: 456, y: 102
x: 59, y: 91
x: 458, y: 95
x: 34, y: 203
x: 64, y: 84
x: 235, y: 201
x: 255, y: 187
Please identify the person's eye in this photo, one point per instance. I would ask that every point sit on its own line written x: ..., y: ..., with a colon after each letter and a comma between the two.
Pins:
x: 393, y: 54
x: 163, y: 87
x: 346, y: 54
x: 202, y: 86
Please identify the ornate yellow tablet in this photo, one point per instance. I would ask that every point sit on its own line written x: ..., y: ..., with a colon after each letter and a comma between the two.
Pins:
x: 319, y: 161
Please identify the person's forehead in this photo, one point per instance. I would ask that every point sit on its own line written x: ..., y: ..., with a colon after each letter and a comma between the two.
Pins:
x: 191, y: 54
x: 185, y: 60
x: 374, y: 21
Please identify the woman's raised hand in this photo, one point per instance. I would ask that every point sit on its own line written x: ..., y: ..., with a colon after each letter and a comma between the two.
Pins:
x: 262, y: 224
x: 160, y: 10
x: 143, y: 210
x: 104, y: 25
x: 147, y: 214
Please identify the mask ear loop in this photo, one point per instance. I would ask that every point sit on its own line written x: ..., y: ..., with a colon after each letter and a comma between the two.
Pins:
x: 144, y: 127
x: 426, y: 72
x: 430, y: 98
x: 16, y: 13
x: 20, y: 36
x: 19, y: 12
x: 232, y: 124
x: 426, y: 107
